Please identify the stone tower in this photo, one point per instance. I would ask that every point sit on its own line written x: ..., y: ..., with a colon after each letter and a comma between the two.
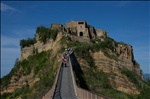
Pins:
x: 82, y: 29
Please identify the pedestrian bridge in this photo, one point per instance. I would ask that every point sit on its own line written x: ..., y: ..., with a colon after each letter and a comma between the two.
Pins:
x: 65, y: 87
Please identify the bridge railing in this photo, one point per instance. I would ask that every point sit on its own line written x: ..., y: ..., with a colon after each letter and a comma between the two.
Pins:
x: 50, y: 93
x: 82, y: 93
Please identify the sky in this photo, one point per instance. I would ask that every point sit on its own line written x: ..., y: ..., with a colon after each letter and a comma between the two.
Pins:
x: 126, y: 21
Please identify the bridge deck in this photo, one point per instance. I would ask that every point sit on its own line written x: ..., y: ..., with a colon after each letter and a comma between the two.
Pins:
x: 65, y: 89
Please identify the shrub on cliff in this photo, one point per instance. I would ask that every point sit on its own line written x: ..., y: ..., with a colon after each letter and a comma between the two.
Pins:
x: 27, y: 43
x: 46, y: 33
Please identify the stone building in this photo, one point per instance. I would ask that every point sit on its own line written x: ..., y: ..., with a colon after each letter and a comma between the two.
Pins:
x: 71, y: 27
x: 82, y: 29
x: 101, y: 33
x: 92, y: 32
x: 78, y: 27
x: 57, y: 26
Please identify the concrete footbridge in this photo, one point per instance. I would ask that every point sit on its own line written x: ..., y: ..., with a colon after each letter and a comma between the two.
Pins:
x: 65, y: 87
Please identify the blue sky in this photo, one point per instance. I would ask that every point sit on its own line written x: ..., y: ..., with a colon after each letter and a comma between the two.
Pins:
x: 124, y: 21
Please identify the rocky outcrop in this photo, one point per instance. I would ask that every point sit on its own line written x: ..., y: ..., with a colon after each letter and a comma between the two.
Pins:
x: 110, y: 66
x: 125, y: 56
x: 39, y: 46
x: 125, y: 60
x: 18, y: 82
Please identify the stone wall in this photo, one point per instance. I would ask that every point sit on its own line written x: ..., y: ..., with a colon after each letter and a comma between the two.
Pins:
x: 101, y: 32
x: 92, y: 32
x: 27, y: 51
x: 84, y: 30
x: 71, y: 24
x: 81, y: 27
x: 57, y: 26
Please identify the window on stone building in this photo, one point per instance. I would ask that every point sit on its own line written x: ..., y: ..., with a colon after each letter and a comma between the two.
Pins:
x: 81, y: 33
x: 80, y: 26
x: 80, y: 22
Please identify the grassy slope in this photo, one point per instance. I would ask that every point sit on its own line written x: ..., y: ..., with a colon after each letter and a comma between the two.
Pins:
x: 96, y: 80
x: 44, y: 67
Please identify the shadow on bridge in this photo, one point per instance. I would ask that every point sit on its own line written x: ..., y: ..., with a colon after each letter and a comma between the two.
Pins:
x: 57, y: 92
x: 78, y: 72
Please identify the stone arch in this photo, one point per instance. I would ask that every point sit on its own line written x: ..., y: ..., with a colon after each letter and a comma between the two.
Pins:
x: 81, y: 33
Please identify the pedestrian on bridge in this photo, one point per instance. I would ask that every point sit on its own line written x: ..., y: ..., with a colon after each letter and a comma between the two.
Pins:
x: 65, y: 62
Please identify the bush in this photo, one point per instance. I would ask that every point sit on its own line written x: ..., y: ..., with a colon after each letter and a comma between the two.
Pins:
x: 96, y: 78
x: 44, y: 67
x: 5, y: 95
x: 134, y: 78
x: 6, y: 79
x: 145, y: 94
x: 46, y: 33
x: 27, y: 43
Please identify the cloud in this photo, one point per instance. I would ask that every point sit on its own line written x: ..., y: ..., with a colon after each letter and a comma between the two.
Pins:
x: 5, y: 7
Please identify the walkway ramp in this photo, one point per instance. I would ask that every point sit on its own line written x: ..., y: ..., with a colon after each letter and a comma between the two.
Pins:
x: 64, y: 88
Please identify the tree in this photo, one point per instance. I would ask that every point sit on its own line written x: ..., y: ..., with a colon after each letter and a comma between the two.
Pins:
x: 28, y: 42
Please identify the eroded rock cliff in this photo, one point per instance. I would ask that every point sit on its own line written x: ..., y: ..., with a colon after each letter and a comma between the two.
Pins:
x: 113, y: 62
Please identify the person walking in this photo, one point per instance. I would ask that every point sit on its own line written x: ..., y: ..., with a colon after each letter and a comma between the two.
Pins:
x: 65, y: 62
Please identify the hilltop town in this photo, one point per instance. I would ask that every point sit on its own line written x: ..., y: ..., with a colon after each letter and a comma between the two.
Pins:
x: 104, y: 63
x: 80, y: 29
x: 76, y: 30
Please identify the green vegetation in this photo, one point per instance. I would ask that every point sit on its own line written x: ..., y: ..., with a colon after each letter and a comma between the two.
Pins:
x: 144, y: 93
x: 44, y: 67
x: 5, y: 95
x: 46, y: 33
x: 37, y: 90
x: 83, y: 52
x: 115, y: 94
x: 27, y: 43
x: 144, y: 87
x: 106, y: 46
x: 6, y: 79
x: 94, y: 45
x: 97, y: 81
x: 132, y: 77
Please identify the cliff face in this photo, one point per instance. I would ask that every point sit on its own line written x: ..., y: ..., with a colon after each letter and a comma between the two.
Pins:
x: 20, y: 78
x: 122, y: 59
x: 39, y: 46
x: 126, y: 58
x: 118, y: 80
